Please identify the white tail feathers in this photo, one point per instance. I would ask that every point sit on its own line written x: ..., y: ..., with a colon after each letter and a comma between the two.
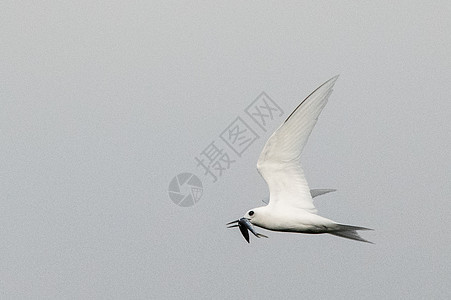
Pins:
x: 350, y: 232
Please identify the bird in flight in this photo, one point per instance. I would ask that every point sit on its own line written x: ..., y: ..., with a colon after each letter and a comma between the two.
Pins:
x: 290, y: 207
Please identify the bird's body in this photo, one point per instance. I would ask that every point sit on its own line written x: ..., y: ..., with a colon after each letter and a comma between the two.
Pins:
x: 290, y: 207
x: 286, y: 220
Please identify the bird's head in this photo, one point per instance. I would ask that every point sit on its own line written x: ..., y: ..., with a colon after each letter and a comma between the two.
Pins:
x: 255, y: 215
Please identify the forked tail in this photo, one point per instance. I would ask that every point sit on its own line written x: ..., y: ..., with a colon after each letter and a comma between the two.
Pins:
x: 350, y: 232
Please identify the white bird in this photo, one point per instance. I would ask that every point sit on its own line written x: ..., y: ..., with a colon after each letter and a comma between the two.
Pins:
x: 290, y: 207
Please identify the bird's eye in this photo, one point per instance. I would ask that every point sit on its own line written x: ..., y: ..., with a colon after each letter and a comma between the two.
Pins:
x: 251, y: 213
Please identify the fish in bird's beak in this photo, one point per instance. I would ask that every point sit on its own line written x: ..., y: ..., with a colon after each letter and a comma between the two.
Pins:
x: 244, y: 225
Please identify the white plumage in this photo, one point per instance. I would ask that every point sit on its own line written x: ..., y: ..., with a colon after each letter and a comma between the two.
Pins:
x: 291, y: 207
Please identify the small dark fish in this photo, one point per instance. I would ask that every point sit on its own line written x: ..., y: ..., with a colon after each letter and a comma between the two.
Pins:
x: 244, y: 225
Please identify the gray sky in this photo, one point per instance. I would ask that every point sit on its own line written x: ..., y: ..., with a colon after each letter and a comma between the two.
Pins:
x: 103, y: 103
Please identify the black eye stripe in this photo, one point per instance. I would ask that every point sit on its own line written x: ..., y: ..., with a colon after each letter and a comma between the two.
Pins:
x: 251, y: 213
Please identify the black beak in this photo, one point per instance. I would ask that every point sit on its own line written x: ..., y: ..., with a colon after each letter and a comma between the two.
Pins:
x: 245, y: 226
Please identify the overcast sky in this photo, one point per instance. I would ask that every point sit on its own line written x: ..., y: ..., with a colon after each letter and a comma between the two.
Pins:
x: 103, y: 103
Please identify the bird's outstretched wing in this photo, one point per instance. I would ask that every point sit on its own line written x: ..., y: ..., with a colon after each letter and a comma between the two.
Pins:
x: 314, y: 193
x: 279, y: 162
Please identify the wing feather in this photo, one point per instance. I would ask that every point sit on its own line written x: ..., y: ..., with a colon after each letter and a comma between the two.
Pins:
x: 279, y: 162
